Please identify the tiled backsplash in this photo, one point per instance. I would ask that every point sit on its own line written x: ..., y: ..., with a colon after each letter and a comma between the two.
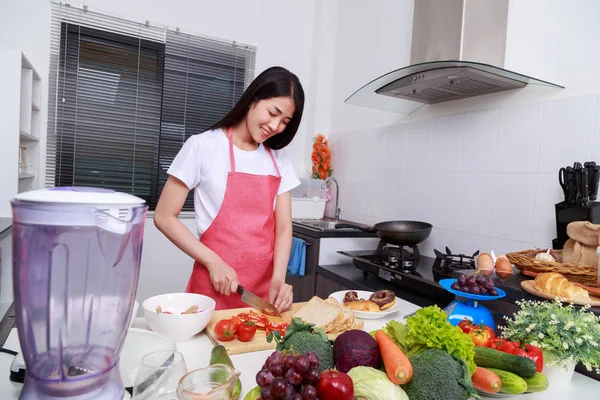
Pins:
x: 485, y: 180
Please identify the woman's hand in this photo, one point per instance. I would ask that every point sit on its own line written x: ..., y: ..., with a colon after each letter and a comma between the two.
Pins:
x: 223, y: 278
x: 281, y: 295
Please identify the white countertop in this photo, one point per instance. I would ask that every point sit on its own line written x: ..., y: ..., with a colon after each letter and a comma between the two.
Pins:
x: 197, y: 354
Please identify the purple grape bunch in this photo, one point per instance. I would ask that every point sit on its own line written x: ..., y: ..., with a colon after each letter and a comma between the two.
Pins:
x: 474, y: 285
x: 288, y: 376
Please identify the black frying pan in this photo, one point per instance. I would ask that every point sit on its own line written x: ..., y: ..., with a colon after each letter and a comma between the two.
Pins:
x: 401, y: 233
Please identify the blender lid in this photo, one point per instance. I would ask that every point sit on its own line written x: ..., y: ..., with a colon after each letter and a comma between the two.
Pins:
x: 80, y: 195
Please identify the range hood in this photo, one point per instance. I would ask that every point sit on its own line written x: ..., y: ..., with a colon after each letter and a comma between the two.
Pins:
x: 457, y: 51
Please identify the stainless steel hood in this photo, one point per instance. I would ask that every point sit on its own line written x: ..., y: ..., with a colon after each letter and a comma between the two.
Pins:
x: 458, y: 49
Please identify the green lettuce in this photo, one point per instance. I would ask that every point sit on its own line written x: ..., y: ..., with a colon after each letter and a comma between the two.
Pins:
x: 430, y: 329
x: 373, y: 384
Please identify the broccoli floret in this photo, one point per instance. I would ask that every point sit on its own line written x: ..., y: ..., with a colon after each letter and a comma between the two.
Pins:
x: 304, y: 341
x: 439, y: 376
x: 301, y: 337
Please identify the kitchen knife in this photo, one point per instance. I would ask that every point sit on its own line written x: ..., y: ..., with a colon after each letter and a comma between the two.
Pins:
x: 571, y: 188
x: 578, y: 185
x: 258, y: 302
x: 590, y: 165
x: 594, y: 183
x: 585, y: 191
x: 448, y: 310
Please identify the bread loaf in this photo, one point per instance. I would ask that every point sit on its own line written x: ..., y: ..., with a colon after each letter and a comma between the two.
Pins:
x: 555, y: 284
x: 321, y: 313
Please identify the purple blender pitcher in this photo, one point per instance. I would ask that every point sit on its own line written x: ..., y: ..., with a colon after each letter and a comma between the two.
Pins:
x: 76, y: 261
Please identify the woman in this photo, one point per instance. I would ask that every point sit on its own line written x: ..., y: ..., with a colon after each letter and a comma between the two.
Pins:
x: 242, y: 180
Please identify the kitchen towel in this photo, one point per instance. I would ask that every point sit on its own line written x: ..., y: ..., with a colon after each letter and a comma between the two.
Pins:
x: 297, y: 262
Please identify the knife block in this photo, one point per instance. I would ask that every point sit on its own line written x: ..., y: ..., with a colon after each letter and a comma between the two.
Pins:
x: 567, y: 213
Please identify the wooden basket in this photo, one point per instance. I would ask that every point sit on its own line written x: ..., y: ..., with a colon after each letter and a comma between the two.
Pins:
x: 525, y: 261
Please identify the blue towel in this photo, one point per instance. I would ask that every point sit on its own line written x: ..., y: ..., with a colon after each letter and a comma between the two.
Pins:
x: 297, y: 262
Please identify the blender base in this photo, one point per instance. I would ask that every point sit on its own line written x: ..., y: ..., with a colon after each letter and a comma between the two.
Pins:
x: 112, y: 389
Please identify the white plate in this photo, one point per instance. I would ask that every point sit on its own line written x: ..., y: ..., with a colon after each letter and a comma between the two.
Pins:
x: 362, y: 294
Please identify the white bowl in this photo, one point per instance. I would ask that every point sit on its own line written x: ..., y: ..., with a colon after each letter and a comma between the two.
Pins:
x: 339, y: 296
x: 176, y: 326
x: 138, y: 343
x: 136, y: 306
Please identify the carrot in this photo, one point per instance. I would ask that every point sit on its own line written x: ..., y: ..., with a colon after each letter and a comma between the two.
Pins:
x: 486, y: 380
x: 397, y: 365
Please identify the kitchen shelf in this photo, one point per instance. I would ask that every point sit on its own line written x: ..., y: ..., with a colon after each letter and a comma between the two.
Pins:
x: 28, y: 137
x: 21, y: 118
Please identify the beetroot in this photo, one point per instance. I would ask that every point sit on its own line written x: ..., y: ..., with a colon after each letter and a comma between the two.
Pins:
x: 355, y: 348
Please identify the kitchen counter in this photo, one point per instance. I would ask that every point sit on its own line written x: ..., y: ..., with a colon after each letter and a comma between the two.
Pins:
x: 197, y: 353
x: 5, y: 225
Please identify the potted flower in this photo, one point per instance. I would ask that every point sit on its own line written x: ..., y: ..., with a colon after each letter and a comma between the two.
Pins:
x: 321, y: 158
x: 566, y: 335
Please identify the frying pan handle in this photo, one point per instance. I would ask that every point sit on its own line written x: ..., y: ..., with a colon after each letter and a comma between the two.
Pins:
x: 368, y: 229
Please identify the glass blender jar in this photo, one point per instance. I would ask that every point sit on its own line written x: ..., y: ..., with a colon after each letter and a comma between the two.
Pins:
x: 76, y: 260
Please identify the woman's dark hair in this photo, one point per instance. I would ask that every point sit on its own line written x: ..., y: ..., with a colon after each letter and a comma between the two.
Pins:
x: 272, y: 82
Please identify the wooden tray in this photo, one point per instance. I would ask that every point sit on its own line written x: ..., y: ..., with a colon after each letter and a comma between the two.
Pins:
x: 529, y: 287
x: 259, y: 341
x: 590, y: 289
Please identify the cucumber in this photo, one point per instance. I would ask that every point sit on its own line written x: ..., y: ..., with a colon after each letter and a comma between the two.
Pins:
x: 491, y: 358
x: 511, y: 383
x: 537, y: 383
x: 219, y: 355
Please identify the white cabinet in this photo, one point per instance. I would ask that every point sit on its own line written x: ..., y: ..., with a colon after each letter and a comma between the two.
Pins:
x: 20, y: 125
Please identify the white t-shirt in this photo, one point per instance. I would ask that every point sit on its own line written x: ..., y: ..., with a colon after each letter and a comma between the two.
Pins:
x: 203, y: 163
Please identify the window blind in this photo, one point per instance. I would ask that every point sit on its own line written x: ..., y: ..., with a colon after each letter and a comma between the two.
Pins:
x: 203, y: 79
x: 125, y: 95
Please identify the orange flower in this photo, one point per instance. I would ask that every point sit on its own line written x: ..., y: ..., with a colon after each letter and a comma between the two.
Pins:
x: 321, y: 158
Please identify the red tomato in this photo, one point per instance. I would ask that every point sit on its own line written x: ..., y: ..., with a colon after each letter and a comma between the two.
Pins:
x: 480, y: 337
x: 335, y: 385
x: 466, y: 325
x: 225, y: 329
x: 489, y: 330
x: 246, y: 331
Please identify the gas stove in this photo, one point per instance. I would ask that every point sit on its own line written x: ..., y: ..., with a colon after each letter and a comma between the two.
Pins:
x: 393, y: 263
x: 446, y: 263
x: 402, y: 258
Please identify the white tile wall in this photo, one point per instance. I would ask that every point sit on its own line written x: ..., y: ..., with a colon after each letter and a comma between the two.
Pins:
x: 486, y: 180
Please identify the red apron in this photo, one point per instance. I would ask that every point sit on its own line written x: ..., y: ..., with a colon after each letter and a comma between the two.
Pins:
x: 242, y: 234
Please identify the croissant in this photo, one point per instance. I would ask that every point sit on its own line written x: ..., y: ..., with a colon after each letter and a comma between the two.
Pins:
x: 553, y: 283
x: 363, y: 305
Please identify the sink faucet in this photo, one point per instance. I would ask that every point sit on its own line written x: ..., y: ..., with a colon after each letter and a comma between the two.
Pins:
x: 337, y: 198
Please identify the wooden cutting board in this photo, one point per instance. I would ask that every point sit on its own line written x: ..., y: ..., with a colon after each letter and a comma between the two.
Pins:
x: 529, y: 287
x: 258, y: 342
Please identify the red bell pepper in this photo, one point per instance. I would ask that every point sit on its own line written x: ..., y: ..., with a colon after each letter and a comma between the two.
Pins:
x: 519, y: 349
x: 532, y: 352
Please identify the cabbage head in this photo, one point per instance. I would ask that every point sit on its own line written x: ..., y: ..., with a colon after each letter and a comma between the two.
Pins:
x: 373, y: 384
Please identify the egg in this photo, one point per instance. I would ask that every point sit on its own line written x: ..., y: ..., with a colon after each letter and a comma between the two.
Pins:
x: 504, y: 268
x: 485, y: 264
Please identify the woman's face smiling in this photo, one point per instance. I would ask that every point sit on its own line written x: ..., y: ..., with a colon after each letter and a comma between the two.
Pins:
x: 269, y: 117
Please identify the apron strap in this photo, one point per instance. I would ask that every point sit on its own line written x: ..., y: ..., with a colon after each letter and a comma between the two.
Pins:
x: 274, y: 162
x: 231, y: 156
